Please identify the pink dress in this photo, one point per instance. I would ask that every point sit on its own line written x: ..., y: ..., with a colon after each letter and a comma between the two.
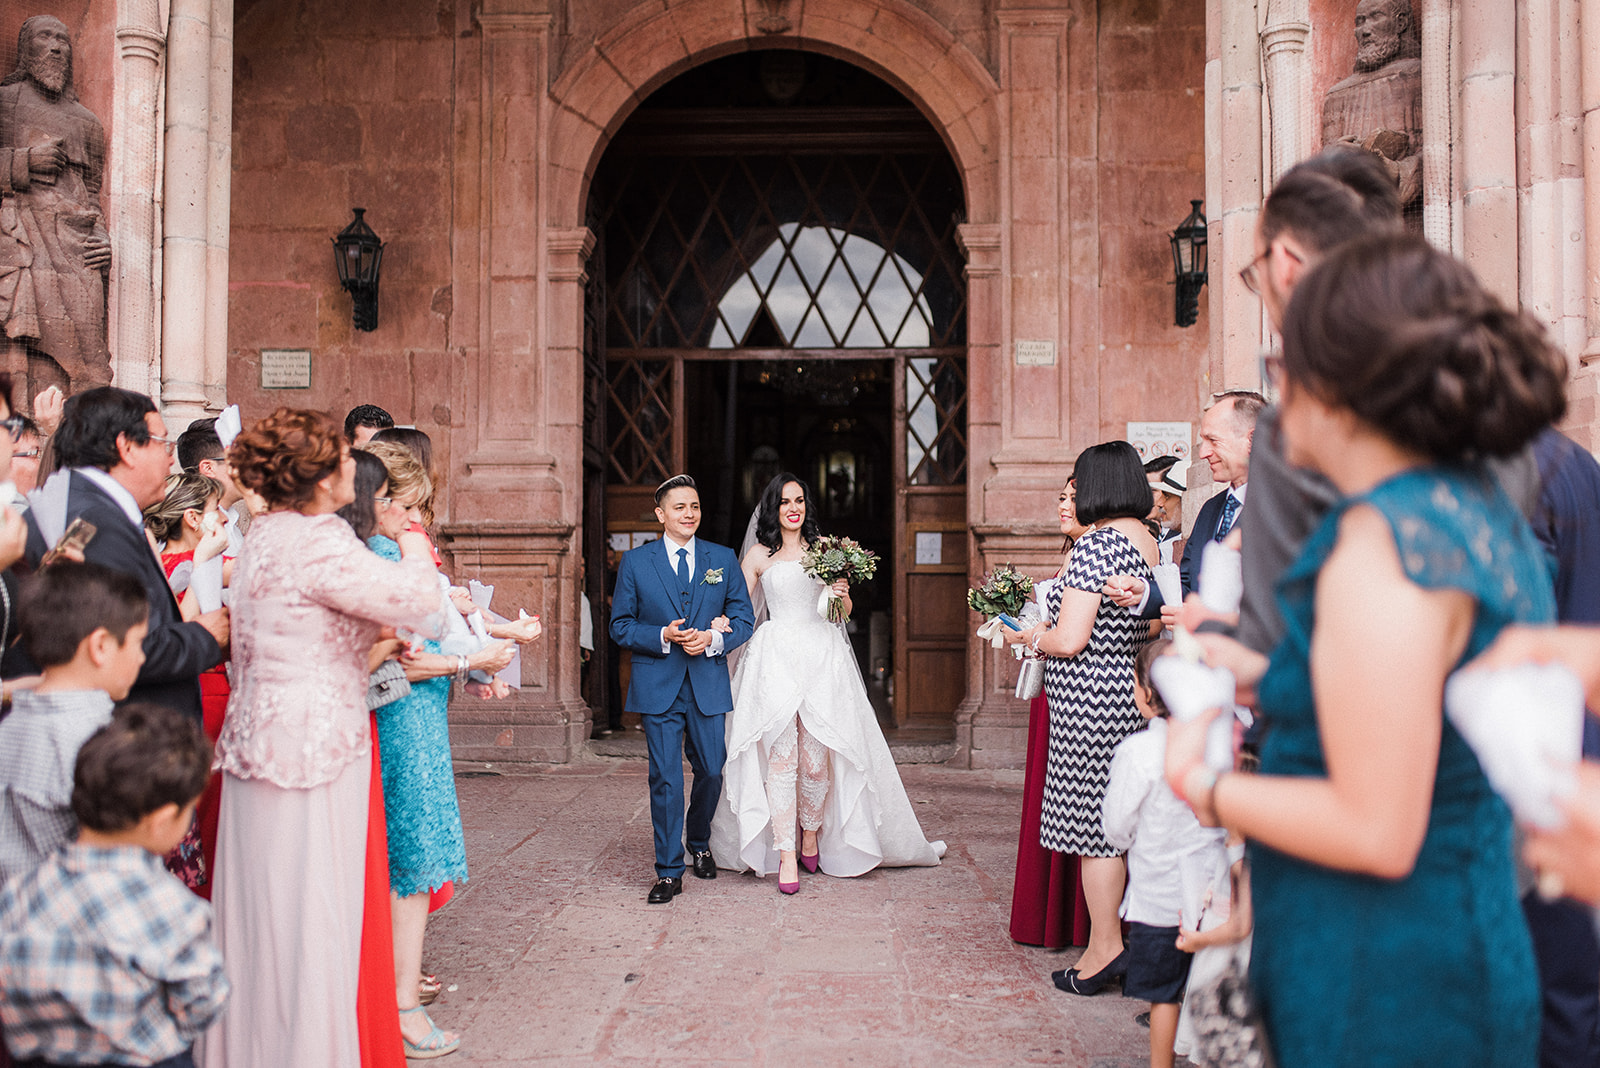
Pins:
x: 308, y: 599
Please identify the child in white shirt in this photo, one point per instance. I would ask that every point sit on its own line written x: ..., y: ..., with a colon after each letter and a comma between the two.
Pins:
x: 1164, y: 840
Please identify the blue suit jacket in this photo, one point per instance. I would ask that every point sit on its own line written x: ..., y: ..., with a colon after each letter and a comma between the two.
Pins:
x: 1201, y: 534
x: 648, y: 597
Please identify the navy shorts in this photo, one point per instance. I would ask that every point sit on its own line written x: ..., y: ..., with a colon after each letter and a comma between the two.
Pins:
x: 1157, y: 968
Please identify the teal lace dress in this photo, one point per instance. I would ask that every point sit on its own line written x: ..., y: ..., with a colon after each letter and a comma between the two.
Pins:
x: 1435, y: 968
x: 426, y: 849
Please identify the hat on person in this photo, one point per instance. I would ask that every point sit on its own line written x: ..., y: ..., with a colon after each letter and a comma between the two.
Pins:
x: 1172, y: 481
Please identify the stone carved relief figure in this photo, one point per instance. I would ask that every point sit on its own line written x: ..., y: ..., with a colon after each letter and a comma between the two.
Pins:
x: 54, y: 249
x: 1379, y: 107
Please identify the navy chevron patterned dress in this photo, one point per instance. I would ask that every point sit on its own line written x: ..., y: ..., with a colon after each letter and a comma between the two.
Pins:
x: 1091, y: 698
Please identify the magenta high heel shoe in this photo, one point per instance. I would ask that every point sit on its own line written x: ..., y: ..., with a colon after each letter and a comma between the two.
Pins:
x: 811, y: 863
x: 788, y: 888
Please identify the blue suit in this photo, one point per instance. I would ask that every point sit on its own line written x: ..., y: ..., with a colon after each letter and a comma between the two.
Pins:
x: 682, y: 698
x: 1202, y: 532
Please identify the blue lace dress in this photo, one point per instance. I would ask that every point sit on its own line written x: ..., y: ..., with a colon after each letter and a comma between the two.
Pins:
x: 426, y: 849
x: 1435, y: 968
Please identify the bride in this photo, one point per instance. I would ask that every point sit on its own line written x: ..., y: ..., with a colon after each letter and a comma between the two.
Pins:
x: 803, y: 743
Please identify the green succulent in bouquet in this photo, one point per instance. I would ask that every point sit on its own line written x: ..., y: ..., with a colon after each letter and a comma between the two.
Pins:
x: 831, y: 558
x: 1004, y: 590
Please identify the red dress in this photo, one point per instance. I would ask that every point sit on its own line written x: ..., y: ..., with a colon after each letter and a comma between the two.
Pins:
x: 1047, y: 903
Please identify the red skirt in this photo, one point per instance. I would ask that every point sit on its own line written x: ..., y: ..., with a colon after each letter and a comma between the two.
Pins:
x: 377, y: 1011
x: 1047, y: 904
x: 214, y: 709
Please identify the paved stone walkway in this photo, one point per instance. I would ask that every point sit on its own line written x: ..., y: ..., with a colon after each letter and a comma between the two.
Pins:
x: 556, y: 959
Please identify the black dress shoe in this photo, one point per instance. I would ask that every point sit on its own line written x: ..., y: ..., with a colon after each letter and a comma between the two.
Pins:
x: 704, y: 866
x: 664, y: 891
x: 1089, y: 985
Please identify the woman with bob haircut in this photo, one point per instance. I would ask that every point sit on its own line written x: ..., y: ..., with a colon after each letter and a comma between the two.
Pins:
x: 308, y: 602
x: 1088, y: 678
x: 1379, y: 851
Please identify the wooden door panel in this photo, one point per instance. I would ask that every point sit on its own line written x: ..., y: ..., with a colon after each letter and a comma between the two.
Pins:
x: 939, y: 607
x: 936, y: 681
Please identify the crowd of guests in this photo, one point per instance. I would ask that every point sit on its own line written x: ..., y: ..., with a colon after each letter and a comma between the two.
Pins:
x: 1406, y: 503
x: 274, y: 610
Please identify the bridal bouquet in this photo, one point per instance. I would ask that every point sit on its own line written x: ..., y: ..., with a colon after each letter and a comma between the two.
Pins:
x: 831, y: 558
x: 1003, y: 590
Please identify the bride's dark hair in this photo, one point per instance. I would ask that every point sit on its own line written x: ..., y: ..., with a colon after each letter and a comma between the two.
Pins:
x: 768, y: 531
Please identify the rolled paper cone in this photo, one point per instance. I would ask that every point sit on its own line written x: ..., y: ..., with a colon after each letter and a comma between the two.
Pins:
x: 1221, y: 579
x: 1191, y: 689
x: 1169, y: 580
x: 1525, y: 725
x: 228, y: 425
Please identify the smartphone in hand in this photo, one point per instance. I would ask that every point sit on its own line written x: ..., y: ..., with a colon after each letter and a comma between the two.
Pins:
x: 1010, y: 622
x: 75, y: 538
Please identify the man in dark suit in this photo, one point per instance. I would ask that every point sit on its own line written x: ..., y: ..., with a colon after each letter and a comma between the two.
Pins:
x: 668, y: 592
x: 113, y: 447
x: 1227, y: 430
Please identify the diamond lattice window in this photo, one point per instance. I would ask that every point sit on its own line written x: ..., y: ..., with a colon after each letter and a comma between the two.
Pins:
x: 789, y: 251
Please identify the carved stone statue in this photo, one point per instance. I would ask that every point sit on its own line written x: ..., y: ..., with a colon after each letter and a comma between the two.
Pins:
x: 1379, y: 107
x: 54, y: 250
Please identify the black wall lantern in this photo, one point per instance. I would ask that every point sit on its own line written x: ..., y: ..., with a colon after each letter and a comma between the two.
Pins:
x: 1189, y: 263
x: 358, y: 254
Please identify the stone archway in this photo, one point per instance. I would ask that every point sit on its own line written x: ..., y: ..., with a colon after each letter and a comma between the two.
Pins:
x: 894, y: 40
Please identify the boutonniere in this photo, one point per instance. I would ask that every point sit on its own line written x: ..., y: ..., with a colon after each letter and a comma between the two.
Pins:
x: 713, y: 577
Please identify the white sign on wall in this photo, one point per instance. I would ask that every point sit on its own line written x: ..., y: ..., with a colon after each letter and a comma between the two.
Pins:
x: 1161, y: 439
x: 1036, y: 353
x: 285, y: 368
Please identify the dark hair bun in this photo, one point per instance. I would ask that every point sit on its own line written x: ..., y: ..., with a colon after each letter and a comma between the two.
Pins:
x: 1407, y: 338
x: 285, y: 455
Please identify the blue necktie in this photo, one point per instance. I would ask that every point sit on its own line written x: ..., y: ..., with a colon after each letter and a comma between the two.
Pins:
x: 683, y: 568
x: 1230, y: 512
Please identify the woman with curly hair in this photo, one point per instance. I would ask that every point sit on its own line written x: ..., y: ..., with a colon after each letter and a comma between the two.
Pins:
x: 308, y: 602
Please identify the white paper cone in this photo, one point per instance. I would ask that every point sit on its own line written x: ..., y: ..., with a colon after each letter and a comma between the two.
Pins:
x: 206, y: 582
x: 1169, y: 580
x: 1221, y: 579
x: 1525, y: 725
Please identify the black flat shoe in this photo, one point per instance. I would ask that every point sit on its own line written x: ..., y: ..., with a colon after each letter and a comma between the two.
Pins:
x: 705, y: 867
x: 1073, y: 983
x: 664, y: 891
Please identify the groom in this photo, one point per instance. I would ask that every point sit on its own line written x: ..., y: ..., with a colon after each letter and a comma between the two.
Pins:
x: 668, y: 592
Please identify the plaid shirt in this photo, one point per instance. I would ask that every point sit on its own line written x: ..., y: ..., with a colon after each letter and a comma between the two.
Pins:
x: 105, y: 958
x: 39, y: 745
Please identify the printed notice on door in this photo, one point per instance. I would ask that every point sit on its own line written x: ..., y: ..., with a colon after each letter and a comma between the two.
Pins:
x: 930, y: 547
x: 1036, y: 353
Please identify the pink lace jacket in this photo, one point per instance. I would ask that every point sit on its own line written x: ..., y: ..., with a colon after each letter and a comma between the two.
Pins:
x: 308, y: 599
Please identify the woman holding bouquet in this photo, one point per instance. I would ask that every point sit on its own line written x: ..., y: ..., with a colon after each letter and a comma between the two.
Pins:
x: 804, y: 745
x: 1089, y: 679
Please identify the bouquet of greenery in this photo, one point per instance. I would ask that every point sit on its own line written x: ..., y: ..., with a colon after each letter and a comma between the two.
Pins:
x: 1003, y: 590
x: 831, y: 558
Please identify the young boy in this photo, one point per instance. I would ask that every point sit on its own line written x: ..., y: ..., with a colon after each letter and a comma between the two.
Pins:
x: 1162, y: 837
x: 105, y: 958
x: 84, y: 625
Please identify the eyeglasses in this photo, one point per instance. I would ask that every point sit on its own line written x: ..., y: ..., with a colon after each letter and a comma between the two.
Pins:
x: 13, y: 425
x: 169, y: 444
x: 25, y: 454
x: 1249, y: 273
x: 382, y: 502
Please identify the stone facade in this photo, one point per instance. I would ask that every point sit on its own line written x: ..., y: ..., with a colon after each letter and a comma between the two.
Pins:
x: 470, y: 130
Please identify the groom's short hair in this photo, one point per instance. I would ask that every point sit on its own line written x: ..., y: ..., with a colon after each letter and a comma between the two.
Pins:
x: 675, y: 482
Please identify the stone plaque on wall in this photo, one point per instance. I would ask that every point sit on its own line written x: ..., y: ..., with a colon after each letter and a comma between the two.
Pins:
x: 285, y: 368
x: 1036, y: 353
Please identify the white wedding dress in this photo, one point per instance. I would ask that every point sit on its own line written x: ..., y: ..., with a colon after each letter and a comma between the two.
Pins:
x: 798, y: 664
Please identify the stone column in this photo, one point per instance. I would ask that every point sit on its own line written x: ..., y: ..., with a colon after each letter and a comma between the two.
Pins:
x: 1288, y: 76
x: 1489, y: 144
x: 1589, y: 51
x: 219, y: 184
x: 186, y: 215
x: 1237, y: 329
x: 1549, y: 143
x: 1438, y: 125
x: 134, y: 328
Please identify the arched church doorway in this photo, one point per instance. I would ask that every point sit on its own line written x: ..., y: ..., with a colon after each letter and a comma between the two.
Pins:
x: 777, y: 286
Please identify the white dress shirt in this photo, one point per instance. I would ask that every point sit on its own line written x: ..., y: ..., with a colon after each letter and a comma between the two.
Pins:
x: 672, y: 546
x: 1170, y: 856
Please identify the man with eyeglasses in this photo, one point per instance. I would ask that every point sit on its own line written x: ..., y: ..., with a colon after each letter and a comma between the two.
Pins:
x: 25, y: 456
x: 115, y: 454
x: 200, y: 452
